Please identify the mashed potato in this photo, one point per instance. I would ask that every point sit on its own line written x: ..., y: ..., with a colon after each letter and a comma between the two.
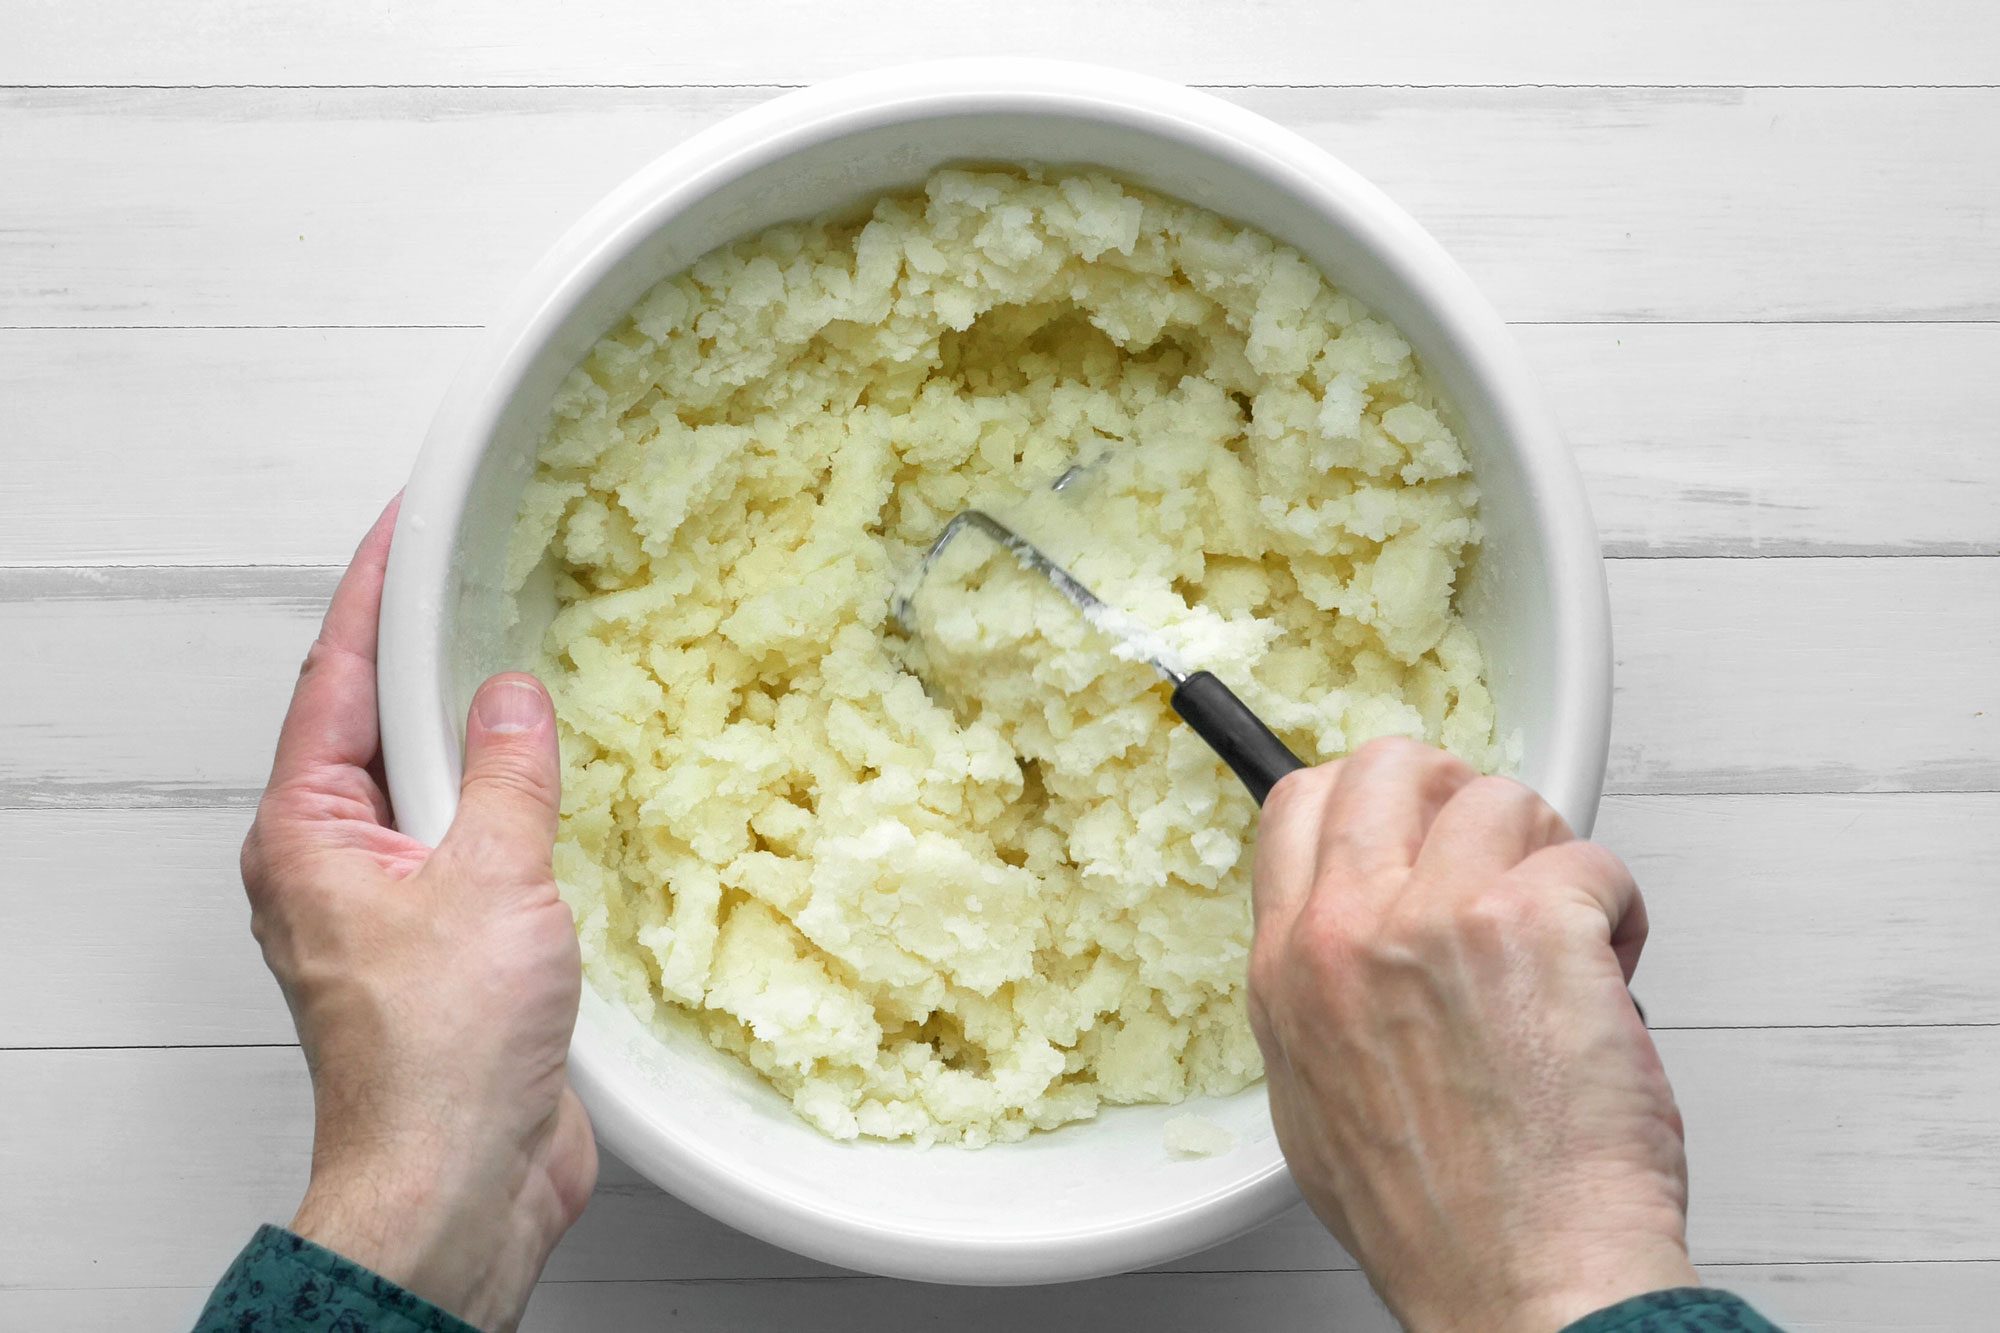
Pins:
x: 1196, y: 1136
x: 979, y: 881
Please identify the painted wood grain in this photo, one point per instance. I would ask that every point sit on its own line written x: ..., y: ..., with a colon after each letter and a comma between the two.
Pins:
x: 1805, y: 1298
x: 1776, y: 439
x: 164, y: 687
x: 1815, y: 1298
x: 1823, y: 1145
x: 398, y: 206
x: 1814, y: 909
x: 277, y: 446
x: 133, y: 687
x: 1864, y: 1154
x: 631, y: 41
x: 124, y: 928
x: 1807, y: 675
x: 128, y: 928
x: 210, y: 446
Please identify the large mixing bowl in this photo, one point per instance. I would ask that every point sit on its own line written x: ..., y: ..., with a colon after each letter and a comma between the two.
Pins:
x: 1091, y: 1198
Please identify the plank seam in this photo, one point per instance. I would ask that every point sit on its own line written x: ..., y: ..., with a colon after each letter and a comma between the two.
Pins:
x: 219, y: 328
x: 1912, y: 322
x: 756, y: 86
x: 1958, y: 552
x: 1603, y: 323
x: 802, y: 1279
x: 155, y: 1046
x: 6, y: 1050
x: 1787, y: 551
x: 321, y: 567
x: 244, y: 799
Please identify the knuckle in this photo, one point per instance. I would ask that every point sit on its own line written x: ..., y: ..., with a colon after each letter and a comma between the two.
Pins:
x: 315, y: 658
x: 1492, y: 919
x: 1502, y: 912
x: 1554, y: 828
x: 1325, y: 936
x: 262, y: 929
x: 265, y: 861
x: 1602, y: 861
x: 1496, y: 922
x: 1302, y: 789
x: 1260, y: 1017
x: 1416, y: 925
x: 1445, y: 764
x: 1499, y: 801
x: 1266, y: 970
x: 1588, y: 862
x: 479, y: 855
x: 1389, y: 747
x: 1416, y: 760
x: 250, y: 858
x: 514, y: 771
x: 1498, y: 790
x: 1356, y: 865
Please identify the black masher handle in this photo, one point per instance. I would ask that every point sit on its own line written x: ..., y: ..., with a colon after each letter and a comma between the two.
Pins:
x: 1235, y: 733
x: 1250, y: 749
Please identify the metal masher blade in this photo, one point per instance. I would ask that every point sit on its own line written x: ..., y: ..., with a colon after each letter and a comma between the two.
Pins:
x: 1252, y: 751
x: 1031, y: 557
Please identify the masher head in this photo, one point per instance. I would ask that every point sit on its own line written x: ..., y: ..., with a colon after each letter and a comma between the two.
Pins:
x: 1136, y: 642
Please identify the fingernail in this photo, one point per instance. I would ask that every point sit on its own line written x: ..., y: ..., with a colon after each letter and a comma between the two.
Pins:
x: 509, y: 706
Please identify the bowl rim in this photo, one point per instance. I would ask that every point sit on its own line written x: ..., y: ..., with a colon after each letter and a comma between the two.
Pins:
x: 421, y: 743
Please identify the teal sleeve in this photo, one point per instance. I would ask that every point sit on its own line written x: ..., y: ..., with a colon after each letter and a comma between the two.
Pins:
x: 282, y: 1282
x: 1682, y: 1310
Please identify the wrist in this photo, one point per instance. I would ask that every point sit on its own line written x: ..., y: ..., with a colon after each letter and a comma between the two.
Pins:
x: 1580, y: 1295
x: 1551, y: 1294
x: 470, y: 1247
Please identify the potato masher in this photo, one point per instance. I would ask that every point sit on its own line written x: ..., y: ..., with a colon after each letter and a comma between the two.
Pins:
x: 1252, y: 751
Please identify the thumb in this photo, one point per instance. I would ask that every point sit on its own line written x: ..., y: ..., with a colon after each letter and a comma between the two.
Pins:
x: 512, y: 789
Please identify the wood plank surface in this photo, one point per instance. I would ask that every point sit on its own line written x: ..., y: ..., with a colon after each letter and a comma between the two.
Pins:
x: 138, y: 687
x: 1806, y: 1298
x: 1806, y: 675
x: 1748, y: 244
x: 130, y: 929
x: 1842, y: 1144
x: 210, y: 446
x: 163, y: 687
x: 633, y: 41
x: 399, y: 206
x: 1806, y: 910
x: 277, y: 446
x: 1781, y: 439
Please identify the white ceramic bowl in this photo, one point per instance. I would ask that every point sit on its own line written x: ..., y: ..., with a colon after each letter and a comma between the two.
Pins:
x: 1092, y: 1198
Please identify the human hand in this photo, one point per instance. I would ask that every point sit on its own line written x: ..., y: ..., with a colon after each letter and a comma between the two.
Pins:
x: 1458, y: 1077
x: 434, y: 991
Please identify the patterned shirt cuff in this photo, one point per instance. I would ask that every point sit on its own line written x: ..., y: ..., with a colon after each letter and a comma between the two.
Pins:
x: 281, y: 1282
x: 1681, y: 1310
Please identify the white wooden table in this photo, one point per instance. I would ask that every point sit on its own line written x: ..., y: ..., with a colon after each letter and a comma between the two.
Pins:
x: 1752, y: 245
